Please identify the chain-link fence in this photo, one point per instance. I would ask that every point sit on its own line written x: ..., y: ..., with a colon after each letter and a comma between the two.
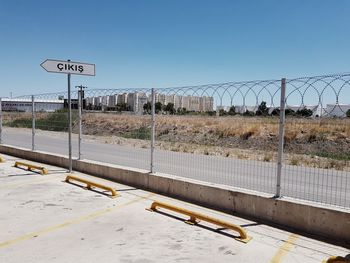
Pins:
x: 212, y: 134
x: 317, y: 139
x: 281, y: 137
x: 31, y: 121
x: 115, y: 119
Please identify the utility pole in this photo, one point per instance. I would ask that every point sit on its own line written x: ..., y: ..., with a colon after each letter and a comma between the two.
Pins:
x: 80, y: 110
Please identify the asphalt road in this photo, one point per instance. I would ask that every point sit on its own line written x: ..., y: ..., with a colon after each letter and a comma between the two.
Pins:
x: 321, y: 185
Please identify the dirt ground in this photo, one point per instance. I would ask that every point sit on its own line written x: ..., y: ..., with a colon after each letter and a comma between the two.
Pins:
x: 308, y: 142
x: 323, y: 138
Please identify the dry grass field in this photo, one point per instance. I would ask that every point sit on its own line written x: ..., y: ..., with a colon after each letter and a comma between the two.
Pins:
x: 316, y: 143
x: 308, y: 142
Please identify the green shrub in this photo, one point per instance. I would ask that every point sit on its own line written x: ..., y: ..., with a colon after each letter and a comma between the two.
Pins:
x: 348, y: 113
x: 55, y: 121
x: 142, y: 133
x: 20, y: 123
x: 304, y: 112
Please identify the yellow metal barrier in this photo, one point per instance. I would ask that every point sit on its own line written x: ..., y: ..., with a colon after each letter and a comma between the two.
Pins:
x: 2, y: 159
x: 30, y: 167
x: 337, y: 260
x: 89, y: 184
x: 194, y: 216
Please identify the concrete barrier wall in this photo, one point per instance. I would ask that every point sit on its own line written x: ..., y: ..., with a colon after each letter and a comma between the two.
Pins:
x: 316, y: 220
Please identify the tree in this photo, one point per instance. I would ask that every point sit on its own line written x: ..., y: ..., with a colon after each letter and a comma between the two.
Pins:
x: 248, y: 113
x: 304, y: 112
x: 170, y: 108
x: 122, y: 107
x: 289, y: 112
x: 181, y: 111
x: 211, y: 113
x: 232, y: 111
x: 348, y: 113
x: 147, y: 107
x: 158, y: 107
x: 276, y: 112
x: 222, y: 112
x: 262, y: 109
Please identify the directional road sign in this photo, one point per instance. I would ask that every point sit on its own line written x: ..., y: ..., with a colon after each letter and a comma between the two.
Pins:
x: 68, y: 67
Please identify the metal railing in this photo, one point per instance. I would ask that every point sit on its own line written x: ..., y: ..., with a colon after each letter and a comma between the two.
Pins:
x: 287, y: 137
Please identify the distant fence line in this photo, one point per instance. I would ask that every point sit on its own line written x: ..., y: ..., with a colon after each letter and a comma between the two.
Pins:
x: 318, y: 96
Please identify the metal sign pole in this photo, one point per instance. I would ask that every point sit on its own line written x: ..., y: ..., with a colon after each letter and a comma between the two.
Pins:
x: 69, y: 125
x: 79, y: 110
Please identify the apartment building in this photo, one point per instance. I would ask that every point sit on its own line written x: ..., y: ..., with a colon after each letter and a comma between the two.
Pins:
x: 136, y: 100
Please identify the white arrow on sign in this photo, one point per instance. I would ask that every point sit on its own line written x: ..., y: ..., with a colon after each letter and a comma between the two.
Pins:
x: 68, y: 67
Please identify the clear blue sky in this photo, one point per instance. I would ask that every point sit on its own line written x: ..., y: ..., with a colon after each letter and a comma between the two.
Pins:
x: 149, y: 43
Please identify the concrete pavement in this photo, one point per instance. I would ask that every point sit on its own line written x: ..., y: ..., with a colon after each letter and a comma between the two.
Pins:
x: 44, y: 219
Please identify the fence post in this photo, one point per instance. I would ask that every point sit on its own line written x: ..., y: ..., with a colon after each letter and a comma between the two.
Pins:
x: 281, y: 137
x: 0, y: 120
x: 33, y: 123
x: 153, y: 130
x: 80, y: 128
